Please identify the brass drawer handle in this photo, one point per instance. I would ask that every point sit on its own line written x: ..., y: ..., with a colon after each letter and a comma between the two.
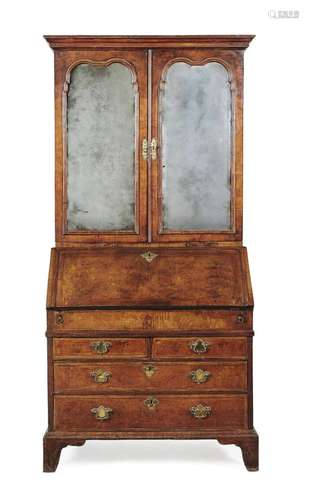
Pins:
x: 151, y: 402
x: 200, y: 376
x: 102, y: 413
x: 101, y: 347
x: 199, y: 346
x: 100, y: 376
x: 149, y: 370
x: 200, y: 411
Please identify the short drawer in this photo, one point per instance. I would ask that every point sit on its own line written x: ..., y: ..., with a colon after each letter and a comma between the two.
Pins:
x: 89, y: 348
x: 174, y: 376
x: 199, y: 347
x: 171, y: 320
x: 153, y: 412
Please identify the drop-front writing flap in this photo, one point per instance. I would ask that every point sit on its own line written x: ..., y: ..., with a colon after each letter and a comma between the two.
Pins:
x: 155, y: 277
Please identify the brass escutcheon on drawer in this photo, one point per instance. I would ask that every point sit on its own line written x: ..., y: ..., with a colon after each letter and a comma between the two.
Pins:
x: 59, y: 319
x: 149, y: 370
x: 151, y: 402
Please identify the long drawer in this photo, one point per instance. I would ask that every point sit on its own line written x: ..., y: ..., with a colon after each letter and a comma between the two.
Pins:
x: 147, y: 320
x: 102, y: 377
x: 153, y: 412
x: 104, y: 347
x: 199, y: 347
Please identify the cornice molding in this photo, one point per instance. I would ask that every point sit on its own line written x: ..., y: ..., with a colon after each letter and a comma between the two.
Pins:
x: 78, y: 42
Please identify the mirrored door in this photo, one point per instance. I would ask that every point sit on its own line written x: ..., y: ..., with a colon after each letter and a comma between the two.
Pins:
x: 195, y: 100
x: 104, y: 119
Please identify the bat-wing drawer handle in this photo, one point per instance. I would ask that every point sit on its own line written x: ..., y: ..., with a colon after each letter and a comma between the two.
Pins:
x: 101, y: 347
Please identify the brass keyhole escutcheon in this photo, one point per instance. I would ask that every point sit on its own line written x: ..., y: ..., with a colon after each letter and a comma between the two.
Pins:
x: 100, y: 376
x: 199, y: 376
x: 149, y: 370
x: 149, y: 256
x: 102, y: 413
x: 198, y: 346
x: 59, y: 319
x: 151, y: 402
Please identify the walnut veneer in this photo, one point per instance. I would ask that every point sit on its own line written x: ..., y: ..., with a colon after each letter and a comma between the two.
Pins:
x: 149, y: 328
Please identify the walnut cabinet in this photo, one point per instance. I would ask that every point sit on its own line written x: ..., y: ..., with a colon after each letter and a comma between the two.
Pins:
x: 149, y: 303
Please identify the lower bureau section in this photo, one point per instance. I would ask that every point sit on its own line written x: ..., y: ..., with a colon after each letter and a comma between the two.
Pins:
x: 162, y: 412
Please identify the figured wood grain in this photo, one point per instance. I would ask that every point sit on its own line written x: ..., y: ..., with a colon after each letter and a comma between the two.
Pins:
x: 131, y: 376
x: 217, y: 347
x: 83, y: 348
x: 149, y: 312
x: 73, y: 413
x: 122, y: 277
x: 149, y: 320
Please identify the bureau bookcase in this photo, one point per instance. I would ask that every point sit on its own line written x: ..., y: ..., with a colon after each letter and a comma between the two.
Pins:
x: 149, y: 302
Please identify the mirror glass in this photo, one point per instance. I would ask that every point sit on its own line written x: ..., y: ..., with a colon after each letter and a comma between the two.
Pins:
x: 101, y: 134
x: 196, y: 137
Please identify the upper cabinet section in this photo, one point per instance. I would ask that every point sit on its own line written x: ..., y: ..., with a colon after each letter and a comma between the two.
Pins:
x: 148, y: 139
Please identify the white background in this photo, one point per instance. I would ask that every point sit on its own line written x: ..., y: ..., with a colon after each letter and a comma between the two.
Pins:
x: 275, y: 227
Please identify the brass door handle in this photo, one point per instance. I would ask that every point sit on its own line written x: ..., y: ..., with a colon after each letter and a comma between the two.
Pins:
x: 101, y: 347
x: 145, y: 149
x: 199, y: 346
x: 200, y: 376
x: 153, y: 147
x: 102, y: 413
x: 100, y: 376
x: 200, y: 411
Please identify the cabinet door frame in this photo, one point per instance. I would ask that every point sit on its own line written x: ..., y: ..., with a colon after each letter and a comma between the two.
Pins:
x: 232, y: 60
x: 65, y: 62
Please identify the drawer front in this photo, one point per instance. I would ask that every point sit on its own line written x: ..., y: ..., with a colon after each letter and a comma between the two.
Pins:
x: 101, y: 348
x: 180, y: 320
x: 153, y: 412
x: 199, y: 347
x: 191, y: 377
